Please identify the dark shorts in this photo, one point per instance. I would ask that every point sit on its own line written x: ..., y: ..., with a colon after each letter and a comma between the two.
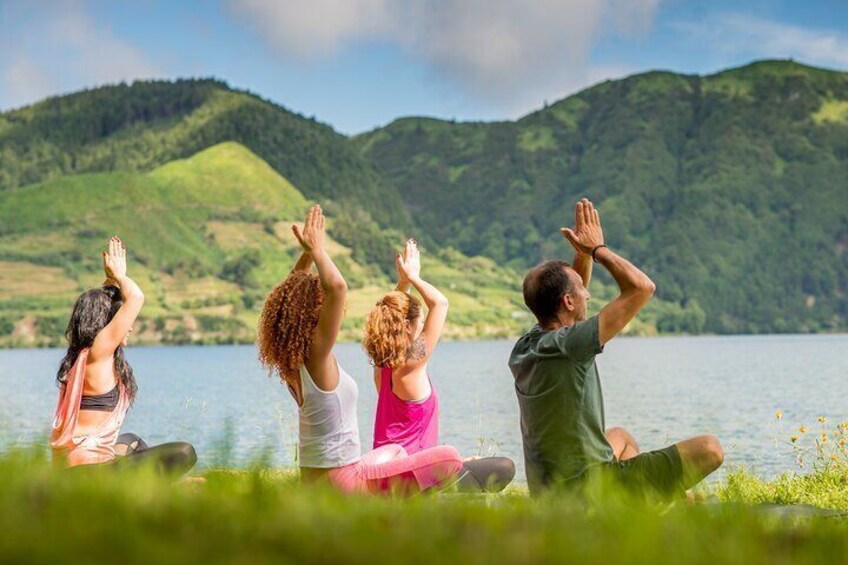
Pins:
x: 655, y: 473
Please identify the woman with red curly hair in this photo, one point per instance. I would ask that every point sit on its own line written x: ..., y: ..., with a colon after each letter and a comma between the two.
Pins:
x: 297, y: 330
x: 400, y: 339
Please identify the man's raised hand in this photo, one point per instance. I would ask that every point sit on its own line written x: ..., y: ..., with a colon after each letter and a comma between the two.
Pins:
x: 587, y: 233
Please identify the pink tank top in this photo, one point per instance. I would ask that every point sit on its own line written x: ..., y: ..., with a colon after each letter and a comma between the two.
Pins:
x: 413, y: 425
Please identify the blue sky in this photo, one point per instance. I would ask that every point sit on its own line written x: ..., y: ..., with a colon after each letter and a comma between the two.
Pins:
x: 359, y: 64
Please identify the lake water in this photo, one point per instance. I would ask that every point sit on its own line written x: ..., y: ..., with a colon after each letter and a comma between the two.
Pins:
x: 661, y: 389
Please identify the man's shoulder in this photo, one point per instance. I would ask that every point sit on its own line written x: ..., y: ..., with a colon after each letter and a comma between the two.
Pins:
x: 524, y: 348
x: 559, y: 340
x: 586, y: 324
x: 576, y: 342
x: 526, y: 338
x: 536, y: 343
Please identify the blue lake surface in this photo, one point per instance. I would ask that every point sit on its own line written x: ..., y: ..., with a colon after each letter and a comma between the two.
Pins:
x: 661, y: 389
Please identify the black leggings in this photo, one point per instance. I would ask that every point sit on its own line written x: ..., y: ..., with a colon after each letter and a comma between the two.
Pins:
x: 487, y: 474
x: 173, y: 459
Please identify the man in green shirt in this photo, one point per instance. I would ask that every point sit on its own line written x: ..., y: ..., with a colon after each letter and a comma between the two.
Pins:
x: 557, y: 384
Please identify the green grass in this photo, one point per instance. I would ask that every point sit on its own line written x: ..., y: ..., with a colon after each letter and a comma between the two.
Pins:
x: 832, y: 111
x: 537, y: 138
x: 825, y: 488
x: 265, y: 516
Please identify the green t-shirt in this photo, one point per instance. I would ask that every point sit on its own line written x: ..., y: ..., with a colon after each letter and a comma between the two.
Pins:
x: 561, y: 404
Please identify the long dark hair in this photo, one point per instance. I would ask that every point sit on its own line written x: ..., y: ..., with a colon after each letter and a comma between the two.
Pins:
x: 93, y: 310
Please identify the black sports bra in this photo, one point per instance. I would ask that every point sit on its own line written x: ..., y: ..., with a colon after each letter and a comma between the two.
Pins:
x: 103, y: 402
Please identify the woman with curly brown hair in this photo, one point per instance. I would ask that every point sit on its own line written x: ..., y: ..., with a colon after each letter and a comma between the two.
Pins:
x: 400, y: 339
x: 300, y: 321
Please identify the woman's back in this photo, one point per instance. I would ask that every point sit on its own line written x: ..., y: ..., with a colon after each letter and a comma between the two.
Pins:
x: 410, y: 382
x: 414, y: 424
x: 328, y: 428
x: 84, y: 436
x: 100, y: 379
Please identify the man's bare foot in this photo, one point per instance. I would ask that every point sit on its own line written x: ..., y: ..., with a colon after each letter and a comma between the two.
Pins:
x: 693, y: 497
x: 191, y: 482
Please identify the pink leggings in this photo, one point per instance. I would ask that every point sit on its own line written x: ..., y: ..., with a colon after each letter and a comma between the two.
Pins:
x: 390, y: 469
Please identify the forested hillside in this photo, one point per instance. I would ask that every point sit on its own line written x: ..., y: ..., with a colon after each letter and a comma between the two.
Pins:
x: 731, y: 190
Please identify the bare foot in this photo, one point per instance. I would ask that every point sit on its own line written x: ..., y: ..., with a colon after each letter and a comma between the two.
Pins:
x: 191, y: 482
x: 695, y: 497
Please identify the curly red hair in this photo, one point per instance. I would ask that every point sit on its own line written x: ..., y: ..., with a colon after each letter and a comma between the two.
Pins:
x: 387, y: 340
x: 287, y: 324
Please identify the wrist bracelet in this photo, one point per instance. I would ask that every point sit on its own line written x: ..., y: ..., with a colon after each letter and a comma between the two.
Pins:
x: 594, y: 249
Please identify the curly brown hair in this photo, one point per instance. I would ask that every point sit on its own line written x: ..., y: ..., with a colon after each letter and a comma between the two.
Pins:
x: 387, y: 340
x: 287, y: 324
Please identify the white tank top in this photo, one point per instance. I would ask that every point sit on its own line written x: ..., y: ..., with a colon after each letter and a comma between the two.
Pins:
x: 328, y: 428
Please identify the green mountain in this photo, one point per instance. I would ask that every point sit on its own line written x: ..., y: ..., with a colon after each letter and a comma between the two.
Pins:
x: 208, y: 236
x: 139, y: 127
x: 729, y: 189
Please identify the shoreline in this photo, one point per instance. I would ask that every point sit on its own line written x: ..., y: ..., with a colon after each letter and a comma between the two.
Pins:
x: 446, y: 339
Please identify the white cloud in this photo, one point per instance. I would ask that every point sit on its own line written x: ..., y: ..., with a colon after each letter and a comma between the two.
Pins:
x: 741, y: 35
x: 23, y: 79
x: 310, y: 27
x: 510, y: 52
x: 50, y: 46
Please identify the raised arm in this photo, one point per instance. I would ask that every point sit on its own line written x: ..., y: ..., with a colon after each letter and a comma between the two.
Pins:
x: 311, y: 238
x: 112, y: 336
x: 409, y: 263
x: 583, y: 265
x: 635, y: 290
x: 304, y: 262
x: 635, y: 287
x: 403, y: 284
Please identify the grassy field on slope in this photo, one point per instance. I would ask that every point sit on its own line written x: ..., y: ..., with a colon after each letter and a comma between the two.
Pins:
x: 208, y: 236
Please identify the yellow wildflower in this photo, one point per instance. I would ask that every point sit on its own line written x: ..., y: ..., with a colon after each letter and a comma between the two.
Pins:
x: 824, y: 438
x: 778, y: 414
x: 793, y: 439
x: 834, y: 457
x: 843, y: 441
x: 803, y: 429
x: 822, y: 419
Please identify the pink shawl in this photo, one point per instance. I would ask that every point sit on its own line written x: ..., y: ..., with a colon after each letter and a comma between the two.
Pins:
x: 97, y: 447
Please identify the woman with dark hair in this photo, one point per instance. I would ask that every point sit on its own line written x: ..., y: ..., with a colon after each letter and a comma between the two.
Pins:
x: 399, y: 339
x: 97, y: 385
x: 300, y: 321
